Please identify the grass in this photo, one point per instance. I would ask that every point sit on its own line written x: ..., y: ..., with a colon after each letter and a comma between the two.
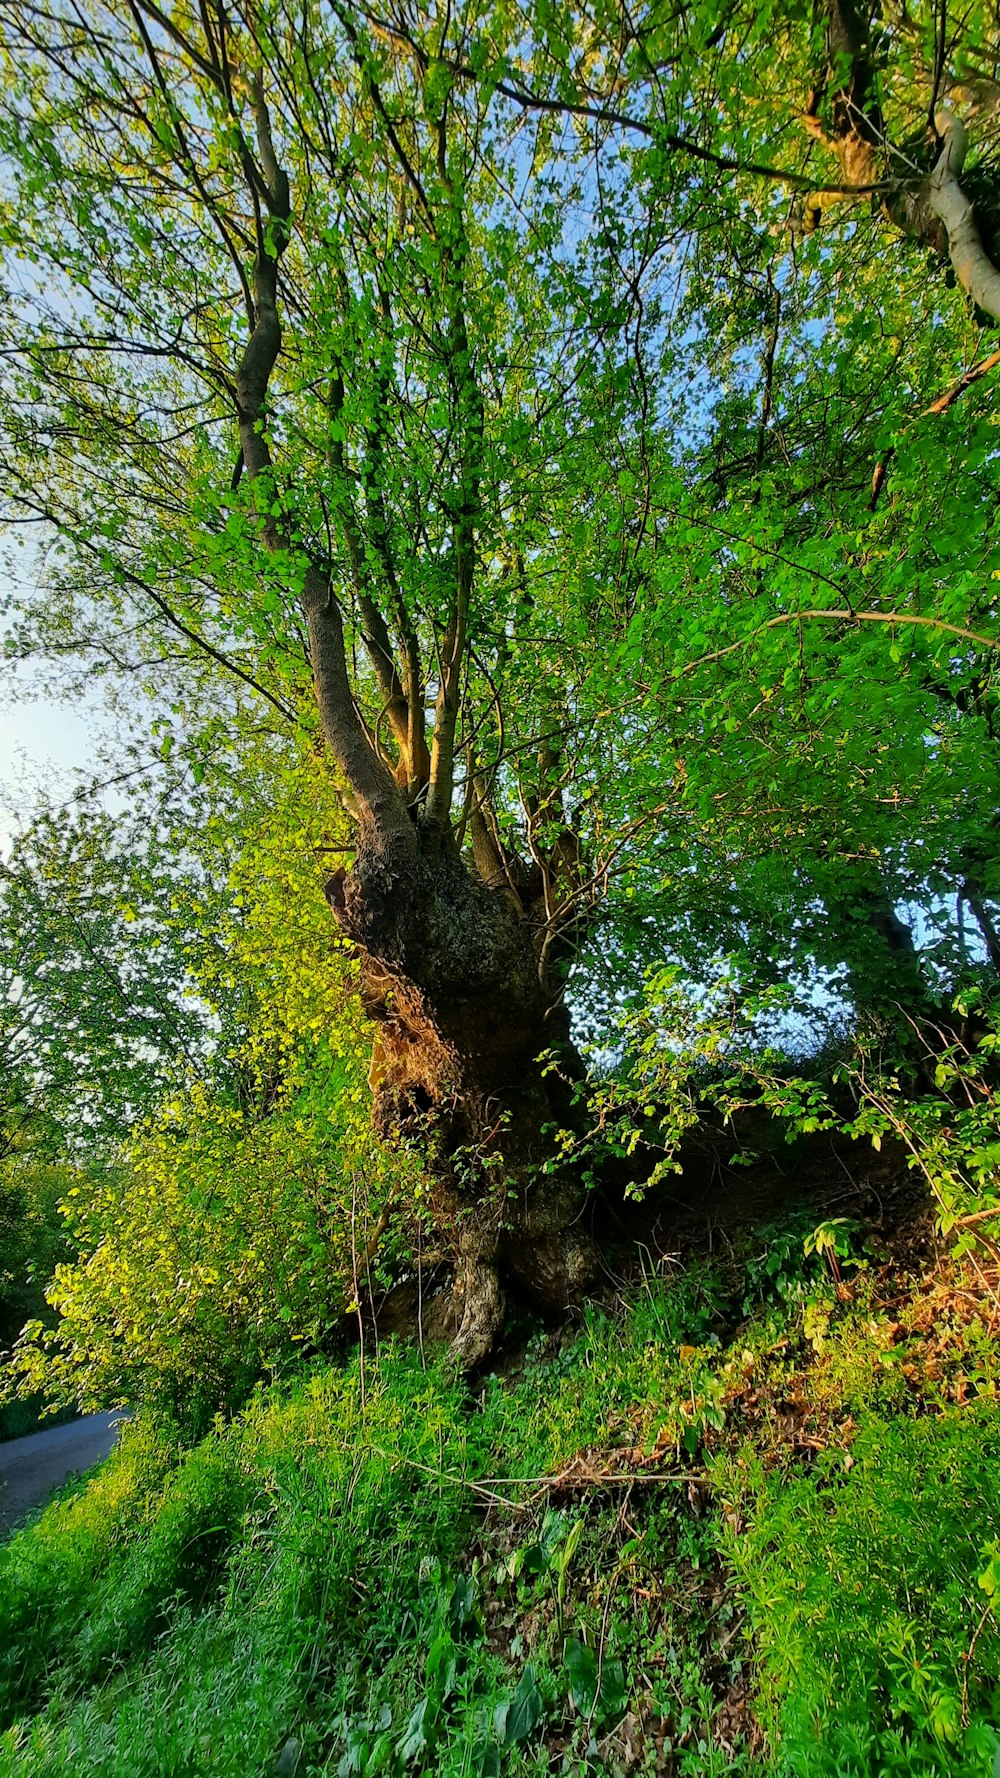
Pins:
x: 880, y: 1649
x: 743, y: 1524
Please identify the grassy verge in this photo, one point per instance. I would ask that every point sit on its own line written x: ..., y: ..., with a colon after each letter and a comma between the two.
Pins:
x: 747, y: 1523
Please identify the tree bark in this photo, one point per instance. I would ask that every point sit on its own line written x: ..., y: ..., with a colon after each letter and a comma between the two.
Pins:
x: 972, y: 265
x: 450, y: 976
x: 984, y: 920
x: 877, y: 946
x: 935, y: 210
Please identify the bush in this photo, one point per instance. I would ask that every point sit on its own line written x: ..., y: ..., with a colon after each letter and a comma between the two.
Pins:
x: 221, y: 1240
x: 221, y: 1249
x: 33, y: 1239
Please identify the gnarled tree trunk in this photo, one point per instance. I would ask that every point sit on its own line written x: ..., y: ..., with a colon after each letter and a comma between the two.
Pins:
x: 472, y: 1059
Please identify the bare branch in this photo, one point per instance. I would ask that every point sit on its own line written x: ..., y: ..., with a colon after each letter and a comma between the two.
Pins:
x: 845, y: 616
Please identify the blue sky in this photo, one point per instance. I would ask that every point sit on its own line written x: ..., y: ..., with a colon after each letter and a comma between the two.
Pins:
x: 44, y: 744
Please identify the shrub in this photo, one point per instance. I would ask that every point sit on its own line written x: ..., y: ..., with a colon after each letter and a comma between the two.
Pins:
x: 33, y: 1239
x: 222, y: 1247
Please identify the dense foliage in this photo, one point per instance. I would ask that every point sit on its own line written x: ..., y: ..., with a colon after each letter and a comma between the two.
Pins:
x: 755, y: 694
x: 230, y: 1226
x: 563, y: 449
x: 353, y: 1577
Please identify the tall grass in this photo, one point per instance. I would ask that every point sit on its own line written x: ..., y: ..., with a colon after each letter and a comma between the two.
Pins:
x: 357, y: 1581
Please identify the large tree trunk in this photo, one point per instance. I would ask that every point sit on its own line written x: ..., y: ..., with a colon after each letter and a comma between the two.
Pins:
x: 449, y: 974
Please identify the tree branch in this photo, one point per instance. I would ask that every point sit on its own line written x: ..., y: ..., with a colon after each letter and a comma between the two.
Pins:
x: 471, y: 418
x: 845, y: 616
x: 377, y: 800
x: 973, y: 266
x: 374, y: 628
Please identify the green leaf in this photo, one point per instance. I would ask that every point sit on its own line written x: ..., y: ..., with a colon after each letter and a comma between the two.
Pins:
x: 515, y: 1719
x: 582, y: 1674
x: 416, y: 1736
x: 486, y: 1760
x: 595, y: 1688
x: 460, y: 1605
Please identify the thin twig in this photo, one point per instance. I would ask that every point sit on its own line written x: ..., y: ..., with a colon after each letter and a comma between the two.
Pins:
x: 840, y: 616
x: 542, y: 1485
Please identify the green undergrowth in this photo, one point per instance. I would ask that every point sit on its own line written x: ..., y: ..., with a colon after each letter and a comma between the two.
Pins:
x: 746, y: 1523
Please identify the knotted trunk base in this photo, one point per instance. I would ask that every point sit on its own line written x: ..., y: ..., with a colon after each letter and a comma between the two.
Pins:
x: 463, y: 1014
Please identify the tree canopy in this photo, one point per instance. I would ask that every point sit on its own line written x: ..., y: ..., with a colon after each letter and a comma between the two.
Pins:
x: 565, y: 437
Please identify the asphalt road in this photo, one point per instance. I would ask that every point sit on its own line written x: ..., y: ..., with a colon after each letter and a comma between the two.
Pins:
x: 30, y: 1468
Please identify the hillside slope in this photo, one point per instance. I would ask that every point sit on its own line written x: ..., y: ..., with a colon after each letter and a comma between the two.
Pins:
x: 745, y: 1520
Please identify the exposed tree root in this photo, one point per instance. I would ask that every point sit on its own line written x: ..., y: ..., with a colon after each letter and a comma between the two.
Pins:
x: 469, y: 1302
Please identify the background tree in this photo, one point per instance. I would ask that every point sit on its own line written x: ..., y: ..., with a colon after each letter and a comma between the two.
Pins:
x: 204, y: 1186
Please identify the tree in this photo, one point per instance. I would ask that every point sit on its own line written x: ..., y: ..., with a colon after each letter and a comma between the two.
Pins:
x: 387, y: 477
x: 879, y: 89
x: 187, y: 1175
x: 341, y: 351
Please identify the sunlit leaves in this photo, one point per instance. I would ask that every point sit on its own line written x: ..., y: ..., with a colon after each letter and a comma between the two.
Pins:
x: 695, y: 633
